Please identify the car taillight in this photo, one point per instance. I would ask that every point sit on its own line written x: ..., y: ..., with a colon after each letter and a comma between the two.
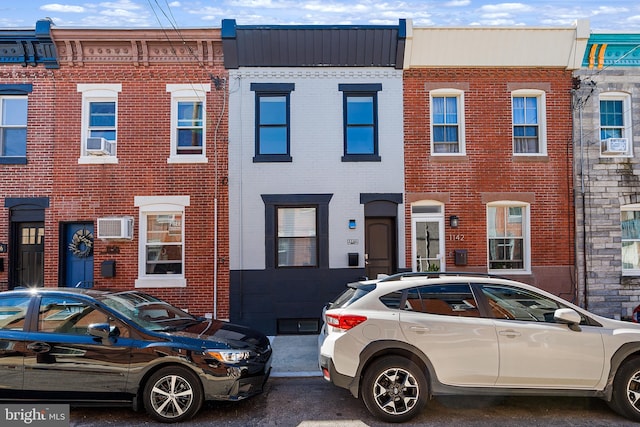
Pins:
x: 344, y: 321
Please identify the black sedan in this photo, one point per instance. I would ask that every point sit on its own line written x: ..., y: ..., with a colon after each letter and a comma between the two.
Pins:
x: 96, y: 347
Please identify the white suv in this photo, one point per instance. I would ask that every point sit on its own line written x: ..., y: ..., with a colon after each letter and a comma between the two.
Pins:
x: 397, y: 341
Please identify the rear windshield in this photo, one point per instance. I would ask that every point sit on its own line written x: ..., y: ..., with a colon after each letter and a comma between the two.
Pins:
x: 353, y: 293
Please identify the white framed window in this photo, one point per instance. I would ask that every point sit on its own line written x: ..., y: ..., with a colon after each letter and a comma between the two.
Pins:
x: 99, y: 123
x: 630, y: 224
x: 13, y: 127
x: 161, y: 261
x: 508, y: 235
x: 529, y: 121
x: 447, y: 122
x: 616, y: 136
x: 188, y: 122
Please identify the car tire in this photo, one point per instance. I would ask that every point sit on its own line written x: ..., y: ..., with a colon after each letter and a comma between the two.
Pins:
x: 394, y: 389
x: 626, y: 390
x: 173, y: 394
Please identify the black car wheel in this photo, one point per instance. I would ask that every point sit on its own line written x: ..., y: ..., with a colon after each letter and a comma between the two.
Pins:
x: 626, y: 390
x: 394, y: 389
x: 173, y: 394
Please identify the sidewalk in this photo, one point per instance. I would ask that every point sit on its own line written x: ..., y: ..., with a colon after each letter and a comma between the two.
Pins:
x: 295, y: 356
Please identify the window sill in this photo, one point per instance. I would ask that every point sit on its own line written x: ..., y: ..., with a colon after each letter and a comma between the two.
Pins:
x: 161, y: 281
x: 187, y: 159
x: 361, y: 158
x: 97, y: 160
x: 13, y: 160
x: 272, y: 158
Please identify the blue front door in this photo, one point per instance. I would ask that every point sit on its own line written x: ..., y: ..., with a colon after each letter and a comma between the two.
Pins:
x: 78, y: 255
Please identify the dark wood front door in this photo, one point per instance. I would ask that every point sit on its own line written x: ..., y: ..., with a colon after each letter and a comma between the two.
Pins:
x: 29, y: 264
x: 380, y: 246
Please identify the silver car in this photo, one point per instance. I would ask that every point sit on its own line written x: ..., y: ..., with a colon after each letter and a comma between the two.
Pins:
x: 398, y: 341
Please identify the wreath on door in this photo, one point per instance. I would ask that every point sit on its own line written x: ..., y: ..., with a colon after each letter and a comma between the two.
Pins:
x: 81, y: 244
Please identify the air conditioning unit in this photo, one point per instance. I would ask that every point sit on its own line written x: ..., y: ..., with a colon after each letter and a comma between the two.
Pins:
x: 115, y: 228
x: 616, y: 145
x: 99, y: 146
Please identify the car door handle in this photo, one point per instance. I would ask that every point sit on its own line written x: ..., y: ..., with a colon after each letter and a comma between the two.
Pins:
x: 419, y: 329
x: 39, y: 347
x: 510, y: 333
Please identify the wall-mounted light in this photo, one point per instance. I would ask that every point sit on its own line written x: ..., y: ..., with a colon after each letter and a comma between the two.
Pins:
x: 352, y: 224
x: 453, y: 221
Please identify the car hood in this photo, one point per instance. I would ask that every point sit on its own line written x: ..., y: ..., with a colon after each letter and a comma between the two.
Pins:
x: 220, y: 334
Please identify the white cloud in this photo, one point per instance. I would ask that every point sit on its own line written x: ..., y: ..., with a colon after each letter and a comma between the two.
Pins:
x: 458, y: 3
x: 506, y: 7
x: 62, y: 8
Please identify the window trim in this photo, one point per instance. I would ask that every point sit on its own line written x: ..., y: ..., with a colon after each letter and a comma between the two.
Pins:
x: 633, y: 207
x: 155, y: 205
x: 274, y: 201
x: 97, y: 93
x: 449, y: 93
x: 540, y: 95
x: 272, y: 90
x: 360, y: 90
x: 627, y: 126
x: 188, y: 92
x: 16, y: 160
x: 525, y: 219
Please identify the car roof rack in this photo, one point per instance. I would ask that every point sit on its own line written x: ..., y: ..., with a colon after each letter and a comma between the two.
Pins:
x: 437, y: 274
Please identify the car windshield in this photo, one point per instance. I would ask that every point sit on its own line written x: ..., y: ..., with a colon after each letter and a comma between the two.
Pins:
x: 147, y: 311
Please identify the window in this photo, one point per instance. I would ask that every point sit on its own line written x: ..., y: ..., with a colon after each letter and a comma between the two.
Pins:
x: 13, y: 126
x: 508, y: 231
x: 529, y: 122
x: 510, y: 303
x: 296, y: 230
x: 188, y: 122
x: 448, y: 300
x: 427, y: 229
x: 615, y: 121
x: 297, y: 237
x: 447, y: 122
x: 630, y: 222
x: 161, y: 250
x: 99, y: 122
x: 273, y: 130
x: 360, y: 111
x: 13, y: 310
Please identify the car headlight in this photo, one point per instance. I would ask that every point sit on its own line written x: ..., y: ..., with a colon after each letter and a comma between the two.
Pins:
x: 230, y: 356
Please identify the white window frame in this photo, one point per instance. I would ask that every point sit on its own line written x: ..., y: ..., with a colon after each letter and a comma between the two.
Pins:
x: 449, y: 93
x: 13, y: 126
x: 159, y: 205
x: 628, y: 272
x: 97, y: 93
x: 187, y: 93
x: 525, y: 219
x: 627, y: 131
x: 540, y: 95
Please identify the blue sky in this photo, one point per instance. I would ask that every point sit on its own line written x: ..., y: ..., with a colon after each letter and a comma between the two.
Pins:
x: 604, y: 15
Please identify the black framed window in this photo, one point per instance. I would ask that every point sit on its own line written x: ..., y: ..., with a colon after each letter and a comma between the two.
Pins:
x: 360, y: 112
x: 296, y: 230
x: 13, y: 123
x: 273, y: 124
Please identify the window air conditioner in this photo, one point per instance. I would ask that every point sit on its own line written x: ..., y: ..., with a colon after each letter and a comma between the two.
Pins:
x: 115, y: 228
x: 99, y: 146
x: 616, y: 145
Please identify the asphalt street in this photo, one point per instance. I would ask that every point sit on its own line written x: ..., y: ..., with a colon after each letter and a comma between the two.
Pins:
x: 312, y: 402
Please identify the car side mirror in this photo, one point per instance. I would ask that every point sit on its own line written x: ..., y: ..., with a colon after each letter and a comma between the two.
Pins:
x: 103, y: 330
x: 569, y: 317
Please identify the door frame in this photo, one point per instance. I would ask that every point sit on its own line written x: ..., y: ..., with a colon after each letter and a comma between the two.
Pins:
x: 434, y: 212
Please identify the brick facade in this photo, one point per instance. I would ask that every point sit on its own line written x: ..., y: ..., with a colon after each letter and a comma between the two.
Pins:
x: 490, y: 172
x: 143, y: 62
